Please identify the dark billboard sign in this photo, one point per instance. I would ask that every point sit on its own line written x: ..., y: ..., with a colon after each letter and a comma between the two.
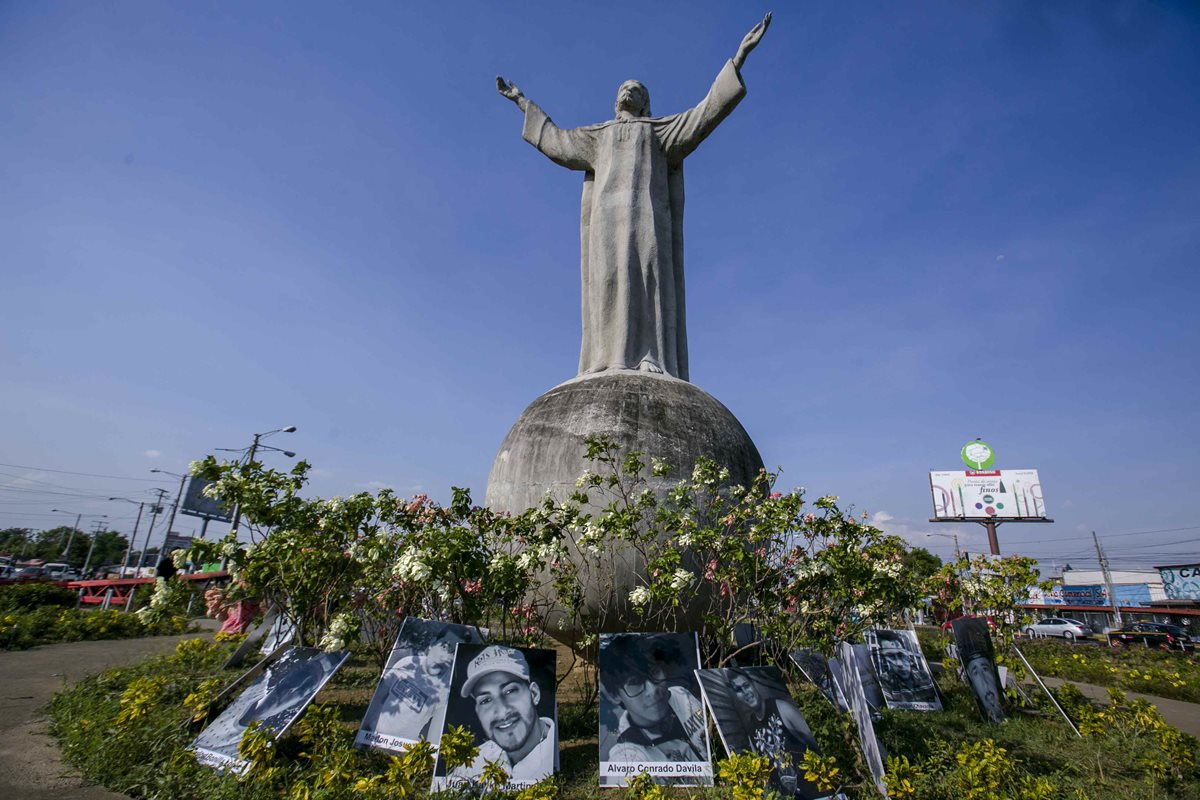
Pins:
x: 197, y: 504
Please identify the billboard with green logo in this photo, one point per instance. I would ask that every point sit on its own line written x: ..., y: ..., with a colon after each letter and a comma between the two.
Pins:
x: 987, y: 494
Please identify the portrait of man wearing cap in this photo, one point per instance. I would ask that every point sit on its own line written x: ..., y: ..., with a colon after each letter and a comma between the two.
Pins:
x: 505, y: 695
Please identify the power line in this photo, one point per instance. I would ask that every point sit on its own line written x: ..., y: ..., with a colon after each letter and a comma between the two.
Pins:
x: 85, y: 474
x: 1113, y: 535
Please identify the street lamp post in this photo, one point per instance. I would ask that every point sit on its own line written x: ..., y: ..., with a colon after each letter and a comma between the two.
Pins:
x: 132, y: 539
x: 74, y: 528
x: 237, y: 508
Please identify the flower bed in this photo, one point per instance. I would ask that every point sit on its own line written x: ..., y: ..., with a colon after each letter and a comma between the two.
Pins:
x: 128, y: 729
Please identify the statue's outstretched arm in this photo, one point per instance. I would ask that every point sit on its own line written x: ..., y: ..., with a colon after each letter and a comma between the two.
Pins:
x: 570, y: 148
x: 510, y: 90
x: 749, y: 41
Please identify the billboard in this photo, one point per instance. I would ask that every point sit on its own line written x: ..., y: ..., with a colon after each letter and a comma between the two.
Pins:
x: 198, y: 505
x: 176, y: 541
x: 1181, y: 582
x: 998, y: 494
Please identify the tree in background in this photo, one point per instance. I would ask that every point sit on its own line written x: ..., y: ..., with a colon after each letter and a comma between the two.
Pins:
x: 47, y: 545
x: 920, y: 564
x: 14, y: 541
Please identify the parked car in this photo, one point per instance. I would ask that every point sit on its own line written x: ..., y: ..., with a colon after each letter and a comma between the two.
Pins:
x: 1152, y: 634
x: 1061, y: 627
x: 948, y: 625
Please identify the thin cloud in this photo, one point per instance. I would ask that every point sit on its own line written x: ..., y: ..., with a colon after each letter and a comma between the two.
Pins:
x: 151, y: 453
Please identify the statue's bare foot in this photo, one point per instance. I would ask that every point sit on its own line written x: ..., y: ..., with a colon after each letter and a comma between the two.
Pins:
x: 649, y: 366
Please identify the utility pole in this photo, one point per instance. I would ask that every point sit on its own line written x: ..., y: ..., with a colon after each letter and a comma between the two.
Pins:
x: 96, y: 526
x: 132, y: 540
x: 175, y: 507
x: 1108, y: 582
x: 71, y: 538
x: 155, y: 510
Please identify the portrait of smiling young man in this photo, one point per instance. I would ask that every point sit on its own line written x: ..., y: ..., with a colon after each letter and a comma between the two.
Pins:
x: 506, y: 696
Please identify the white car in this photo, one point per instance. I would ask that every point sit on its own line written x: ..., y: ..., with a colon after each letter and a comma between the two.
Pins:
x: 1062, y: 627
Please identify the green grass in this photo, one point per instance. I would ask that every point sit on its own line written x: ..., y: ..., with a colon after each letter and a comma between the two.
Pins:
x: 1162, y: 673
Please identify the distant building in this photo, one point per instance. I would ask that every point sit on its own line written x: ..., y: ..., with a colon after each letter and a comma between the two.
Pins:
x: 1134, y: 587
x: 1181, y: 585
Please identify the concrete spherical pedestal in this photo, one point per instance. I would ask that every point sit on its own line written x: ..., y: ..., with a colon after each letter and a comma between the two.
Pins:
x: 660, y: 416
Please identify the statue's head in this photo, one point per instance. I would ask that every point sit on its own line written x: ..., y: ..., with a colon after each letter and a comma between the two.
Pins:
x: 633, y: 98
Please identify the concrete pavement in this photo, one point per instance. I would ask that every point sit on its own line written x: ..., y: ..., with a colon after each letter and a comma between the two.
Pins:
x: 31, y: 767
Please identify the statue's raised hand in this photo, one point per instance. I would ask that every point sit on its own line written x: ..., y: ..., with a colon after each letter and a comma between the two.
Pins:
x: 751, y: 40
x: 510, y: 91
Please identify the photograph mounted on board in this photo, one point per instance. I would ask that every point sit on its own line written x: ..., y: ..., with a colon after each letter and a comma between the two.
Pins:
x: 278, y: 634
x: 410, y: 701
x: 651, y: 717
x: 755, y: 713
x: 506, y: 697
x: 859, y: 656
x: 903, y: 673
x: 815, y: 667
x: 275, y: 700
x: 860, y: 709
x: 978, y: 660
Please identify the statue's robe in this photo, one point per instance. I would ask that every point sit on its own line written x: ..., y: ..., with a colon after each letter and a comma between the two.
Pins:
x: 631, y: 226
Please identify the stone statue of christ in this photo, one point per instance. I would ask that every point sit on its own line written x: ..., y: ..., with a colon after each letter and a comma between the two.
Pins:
x: 631, y: 217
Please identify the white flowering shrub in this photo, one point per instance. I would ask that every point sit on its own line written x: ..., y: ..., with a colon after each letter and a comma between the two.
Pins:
x: 705, y: 555
x: 709, y: 555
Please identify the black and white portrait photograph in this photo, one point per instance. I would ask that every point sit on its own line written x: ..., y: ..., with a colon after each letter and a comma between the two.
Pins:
x: 410, y: 701
x: 860, y: 709
x: 253, y: 641
x: 652, y: 719
x: 279, y: 633
x: 870, y: 681
x: 815, y: 667
x: 275, y: 700
x: 506, y: 697
x: 755, y: 713
x: 903, y: 673
x: 978, y: 663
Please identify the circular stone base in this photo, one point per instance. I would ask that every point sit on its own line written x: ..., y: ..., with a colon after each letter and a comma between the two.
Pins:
x: 658, y: 415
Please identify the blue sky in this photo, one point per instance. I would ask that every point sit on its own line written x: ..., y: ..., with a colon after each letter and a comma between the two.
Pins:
x: 925, y: 223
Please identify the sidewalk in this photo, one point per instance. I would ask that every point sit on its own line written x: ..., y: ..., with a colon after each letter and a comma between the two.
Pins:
x: 1180, y: 714
x: 31, y: 767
